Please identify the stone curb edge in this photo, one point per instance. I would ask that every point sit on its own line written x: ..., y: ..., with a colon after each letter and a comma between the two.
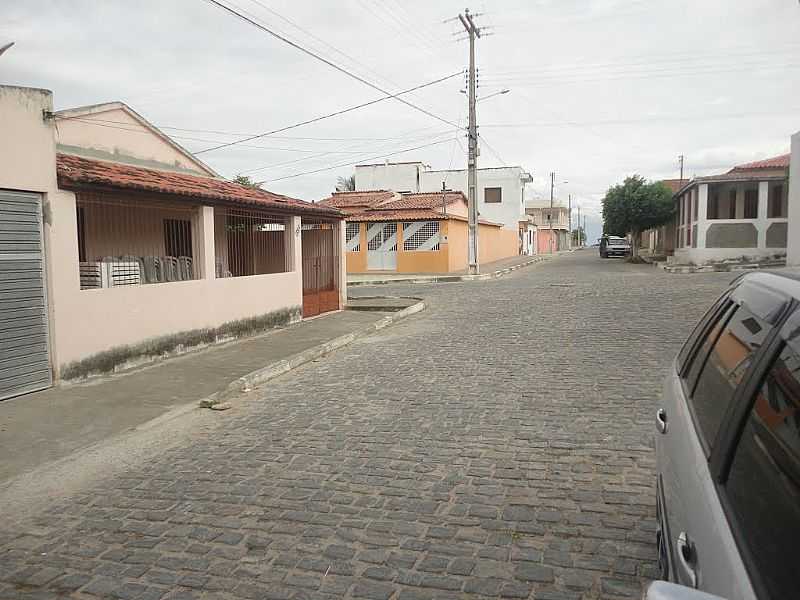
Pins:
x: 271, y: 371
x: 448, y: 278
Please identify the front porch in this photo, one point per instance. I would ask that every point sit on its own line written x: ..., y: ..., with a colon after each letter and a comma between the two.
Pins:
x: 731, y: 218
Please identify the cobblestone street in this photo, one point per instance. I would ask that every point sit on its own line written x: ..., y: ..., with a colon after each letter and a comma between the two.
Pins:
x: 498, y: 444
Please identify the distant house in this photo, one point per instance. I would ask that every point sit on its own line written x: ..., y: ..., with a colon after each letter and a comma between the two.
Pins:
x: 500, y: 193
x: 661, y: 240
x: 414, y: 232
x: 740, y: 213
x: 114, y: 240
x: 552, y: 227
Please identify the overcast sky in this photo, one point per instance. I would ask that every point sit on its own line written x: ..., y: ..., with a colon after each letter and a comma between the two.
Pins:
x: 599, y: 89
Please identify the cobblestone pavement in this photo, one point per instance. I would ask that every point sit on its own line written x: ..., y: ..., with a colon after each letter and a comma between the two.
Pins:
x: 497, y: 445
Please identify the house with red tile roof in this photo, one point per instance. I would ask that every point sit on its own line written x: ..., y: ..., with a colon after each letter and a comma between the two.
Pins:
x: 414, y: 232
x: 740, y: 214
x: 115, y: 241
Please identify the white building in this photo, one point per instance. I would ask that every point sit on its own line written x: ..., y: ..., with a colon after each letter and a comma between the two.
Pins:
x: 793, y: 247
x: 501, y: 190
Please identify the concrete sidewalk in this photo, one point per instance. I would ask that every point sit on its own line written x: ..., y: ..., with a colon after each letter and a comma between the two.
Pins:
x: 488, y: 271
x: 45, y: 426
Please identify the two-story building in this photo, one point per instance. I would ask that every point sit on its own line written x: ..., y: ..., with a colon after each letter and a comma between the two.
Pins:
x: 552, y: 227
x: 500, y: 193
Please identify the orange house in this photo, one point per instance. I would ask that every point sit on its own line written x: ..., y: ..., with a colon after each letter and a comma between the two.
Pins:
x: 415, y: 233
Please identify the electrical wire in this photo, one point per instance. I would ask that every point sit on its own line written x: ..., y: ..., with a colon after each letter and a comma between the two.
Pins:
x: 328, y: 62
x: 329, y: 115
x: 349, y: 164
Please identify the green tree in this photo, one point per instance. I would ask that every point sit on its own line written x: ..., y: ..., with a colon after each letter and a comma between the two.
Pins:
x: 346, y: 184
x: 246, y: 181
x: 634, y: 206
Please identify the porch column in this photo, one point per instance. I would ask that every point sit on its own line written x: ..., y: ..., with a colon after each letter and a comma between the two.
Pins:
x: 294, y: 243
x: 763, y: 206
x: 793, y: 239
x: 341, y: 239
x: 702, y: 214
x: 206, y: 236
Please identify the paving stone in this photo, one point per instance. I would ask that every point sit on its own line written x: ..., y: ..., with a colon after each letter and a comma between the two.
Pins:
x: 490, y: 446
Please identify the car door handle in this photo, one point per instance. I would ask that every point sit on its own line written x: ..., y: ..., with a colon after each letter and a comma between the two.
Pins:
x: 661, y: 420
x: 687, y: 558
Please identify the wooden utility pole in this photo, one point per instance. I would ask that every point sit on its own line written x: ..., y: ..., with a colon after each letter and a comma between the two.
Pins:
x: 472, y: 159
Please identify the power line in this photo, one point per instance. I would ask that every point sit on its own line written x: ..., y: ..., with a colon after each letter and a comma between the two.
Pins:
x: 348, y: 164
x: 334, y: 152
x: 327, y: 62
x: 329, y: 115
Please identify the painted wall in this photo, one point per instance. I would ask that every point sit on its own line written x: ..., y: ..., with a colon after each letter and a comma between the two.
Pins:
x: 85, y: 322
x: 511, y: 180
x: 494, y: 243
x: 27, y: 151
x: 793, y: 248
x: 400, y: 177
x: 129, y: 142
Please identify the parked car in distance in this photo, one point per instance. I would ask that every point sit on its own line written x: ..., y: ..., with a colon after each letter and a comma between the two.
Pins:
x: 611, y: 245
x: 728, y: 448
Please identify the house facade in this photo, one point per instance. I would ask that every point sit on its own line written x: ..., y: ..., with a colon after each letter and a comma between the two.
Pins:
x: 739, y: 214
x: 415, y: 232
x: 660, y: 241
x: 500, y: 193
x: 114, y: 241
x: 552, y: 227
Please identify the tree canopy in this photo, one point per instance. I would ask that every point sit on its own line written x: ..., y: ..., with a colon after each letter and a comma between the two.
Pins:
x: 245, y: 180
x: 636, y: 205
x: 346, y: 184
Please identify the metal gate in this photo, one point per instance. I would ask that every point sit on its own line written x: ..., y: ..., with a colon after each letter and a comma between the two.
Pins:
x: 24, y: 352
x: 382, y: 247
x: 320, y: 267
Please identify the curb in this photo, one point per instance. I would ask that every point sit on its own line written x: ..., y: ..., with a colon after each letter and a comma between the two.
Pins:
x: 271, y: 371
x: 731, y: 268
x: 447, y: 278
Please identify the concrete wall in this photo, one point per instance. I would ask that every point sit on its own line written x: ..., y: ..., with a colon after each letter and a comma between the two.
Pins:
x: 400, y: 177
x: 118, y: 136
x: 793, y: 247
x: 509, y: 179
x: 85, y: 322
x: 27, y: 146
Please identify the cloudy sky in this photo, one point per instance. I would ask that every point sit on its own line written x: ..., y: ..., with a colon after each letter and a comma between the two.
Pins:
x: 599, y: 89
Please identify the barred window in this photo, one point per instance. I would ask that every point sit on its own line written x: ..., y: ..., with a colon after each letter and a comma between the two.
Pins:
x: 249, y: 243
x: 124, y: 240
x: 353, y: 237
x: 421, y: 235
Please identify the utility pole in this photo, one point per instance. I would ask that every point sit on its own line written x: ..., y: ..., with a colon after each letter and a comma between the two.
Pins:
x: 569, y: 214
x: 444, y: 199
x: 680, y: 160
x: 472, y: 160
x: 579, y: 227
x: 550, y: 214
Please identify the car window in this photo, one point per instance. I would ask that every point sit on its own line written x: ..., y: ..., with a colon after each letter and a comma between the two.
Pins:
x: 731, y: 347
x: 763, y: 487
x: 702, y: 325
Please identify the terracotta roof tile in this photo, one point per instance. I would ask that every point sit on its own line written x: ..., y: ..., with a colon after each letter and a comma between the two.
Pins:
x: 674, y: 184
x: 776, y: 162
x: 421, y: 201
x: 358, y: 199
x: 75, y: 171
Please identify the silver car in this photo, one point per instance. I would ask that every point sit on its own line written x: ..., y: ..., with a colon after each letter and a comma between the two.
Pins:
x: 728, y: 449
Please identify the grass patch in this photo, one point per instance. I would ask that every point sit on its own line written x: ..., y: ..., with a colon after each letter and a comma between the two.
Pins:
x: 158, y: 347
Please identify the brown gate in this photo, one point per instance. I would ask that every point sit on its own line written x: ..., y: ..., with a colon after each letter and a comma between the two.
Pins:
x: 320, y: 267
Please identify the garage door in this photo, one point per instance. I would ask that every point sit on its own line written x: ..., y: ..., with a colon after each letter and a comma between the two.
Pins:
x: 24, y: 359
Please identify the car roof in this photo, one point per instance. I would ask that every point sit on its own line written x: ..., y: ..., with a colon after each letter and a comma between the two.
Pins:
x: 786, y: 281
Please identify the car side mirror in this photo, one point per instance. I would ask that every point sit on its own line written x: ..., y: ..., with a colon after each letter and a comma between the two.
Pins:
x: 663, y: 590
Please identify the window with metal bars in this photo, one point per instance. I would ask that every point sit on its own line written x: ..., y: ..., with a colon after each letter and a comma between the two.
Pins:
x: 124, y: 240
x: 353, y: 234
x: 421, y: 235
x: 249, y: 243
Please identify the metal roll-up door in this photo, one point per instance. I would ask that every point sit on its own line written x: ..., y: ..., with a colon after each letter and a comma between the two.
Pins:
x: 24, y: 350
